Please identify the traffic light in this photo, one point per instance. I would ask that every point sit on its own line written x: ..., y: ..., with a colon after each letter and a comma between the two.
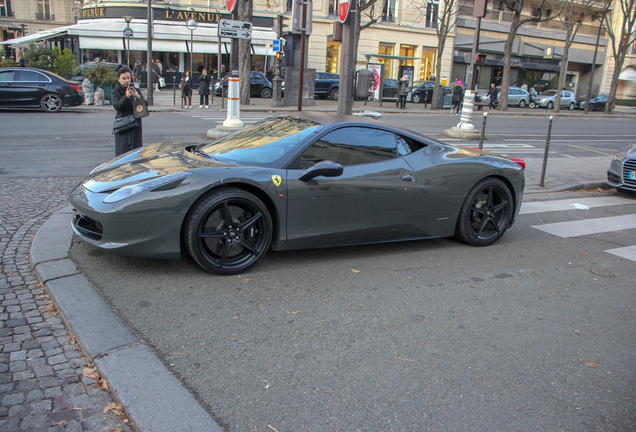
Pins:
x: 279, y: 55
x: 481, y: 59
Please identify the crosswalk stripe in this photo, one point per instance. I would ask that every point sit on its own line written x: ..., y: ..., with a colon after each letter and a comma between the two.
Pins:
x: 589, y: 226
x: 571, y: 204
x: 624, y: 252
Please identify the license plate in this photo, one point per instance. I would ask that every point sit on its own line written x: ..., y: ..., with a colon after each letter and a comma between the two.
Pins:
x: 631, y: 175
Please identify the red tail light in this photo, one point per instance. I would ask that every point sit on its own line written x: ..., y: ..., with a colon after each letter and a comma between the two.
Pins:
x: 519, y: 161
x: 74, y: 87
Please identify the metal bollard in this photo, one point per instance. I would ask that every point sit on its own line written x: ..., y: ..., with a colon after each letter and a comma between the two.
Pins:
x: 483, y: 131
x: 545, y: 153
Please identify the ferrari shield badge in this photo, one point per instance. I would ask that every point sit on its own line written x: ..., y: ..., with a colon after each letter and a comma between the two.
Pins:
x: 276, y: 179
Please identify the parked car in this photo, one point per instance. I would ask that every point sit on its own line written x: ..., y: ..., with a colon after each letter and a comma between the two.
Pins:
x: 278, y: 184
x: 259, y: 85
x: 516, y: 97
x: 422, y: 91
x: 596, y: 103
x: 547, y: 98
x: 327, y: 85
x: 35, y: 88
x: 390, y: 87
x: 622, y: 171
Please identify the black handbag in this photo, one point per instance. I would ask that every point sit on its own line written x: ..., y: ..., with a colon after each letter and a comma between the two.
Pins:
x: 123, y: 124
x: 140, y: 108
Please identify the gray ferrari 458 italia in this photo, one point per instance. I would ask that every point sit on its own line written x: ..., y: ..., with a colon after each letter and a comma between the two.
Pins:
x: 294, y: 182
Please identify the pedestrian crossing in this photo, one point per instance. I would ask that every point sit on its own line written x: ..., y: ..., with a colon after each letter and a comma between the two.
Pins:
x: 589, y: 226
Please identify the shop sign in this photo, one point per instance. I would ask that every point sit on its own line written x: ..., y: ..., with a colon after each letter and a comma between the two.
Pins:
x: 343, y: 9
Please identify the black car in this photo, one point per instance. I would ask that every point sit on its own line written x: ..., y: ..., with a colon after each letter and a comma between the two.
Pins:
x: 327, y: 85
x: 423, y: 92
x: 390, y: 88
x: 596, y: 103
x: 259, y: 85
x: 35, y: 88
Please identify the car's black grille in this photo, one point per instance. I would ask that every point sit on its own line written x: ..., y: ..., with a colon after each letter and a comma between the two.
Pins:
x: 88, y: 227
x: 613, y: 178
x: 629, y: 165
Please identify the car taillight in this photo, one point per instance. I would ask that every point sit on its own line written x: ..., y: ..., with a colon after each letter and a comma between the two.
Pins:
x: 520, y: 162
x: 74, y: 87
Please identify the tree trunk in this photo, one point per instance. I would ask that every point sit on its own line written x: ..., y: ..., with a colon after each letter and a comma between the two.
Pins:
x: 618, y: 64
x: 505, y: 79
x: 438, y: 79
x: 245, y: 52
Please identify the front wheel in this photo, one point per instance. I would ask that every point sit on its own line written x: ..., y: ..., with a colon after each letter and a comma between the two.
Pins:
x: 266, y: 93
x: 415, y: 98
x: 591, y: 107
x: 51, y: 102
x: 228, y: 231
x: 550, y: 105
x: 532, y: 104
x: 333, y: 95
x: 485, y: 214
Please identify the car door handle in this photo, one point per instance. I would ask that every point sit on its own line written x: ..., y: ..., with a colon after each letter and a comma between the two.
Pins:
x: 408, y: 178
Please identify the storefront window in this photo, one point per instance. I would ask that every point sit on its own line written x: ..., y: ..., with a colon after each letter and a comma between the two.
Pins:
x: 427, y: 69
x: 407, y: 51
x: 331, y: 64
x: 386, y: 49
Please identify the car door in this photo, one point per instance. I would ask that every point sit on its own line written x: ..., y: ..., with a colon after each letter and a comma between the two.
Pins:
x: 321, y: 85
x: 6, y: 88
x: 368, y: 202
x: 255, y: 84
x: 29, y: 89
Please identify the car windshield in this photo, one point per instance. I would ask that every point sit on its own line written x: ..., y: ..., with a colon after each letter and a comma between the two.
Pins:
x: 549, y: 93
x: 264, y: 143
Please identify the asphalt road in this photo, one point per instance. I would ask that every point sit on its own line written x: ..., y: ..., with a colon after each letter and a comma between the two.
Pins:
x: 533, y: 333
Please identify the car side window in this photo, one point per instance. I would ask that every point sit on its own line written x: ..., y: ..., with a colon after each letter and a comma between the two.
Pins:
x: 351, y: 146
x: 28, y: 76
x: 43, y: 78
x: 320, y: 76
x: 6, y: 76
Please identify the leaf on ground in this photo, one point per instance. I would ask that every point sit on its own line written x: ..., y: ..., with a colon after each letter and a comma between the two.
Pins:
x: 61, y: 423
x: 293, y: 313
x: 355, y: 271
x: 583, y: 253
x: 399, y: 358
x: 116, y: 408
x: 91, y: 373
x: 101, y: 384
x: 592, y: 365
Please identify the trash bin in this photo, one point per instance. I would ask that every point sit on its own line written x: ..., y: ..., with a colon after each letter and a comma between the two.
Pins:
x: 445, y: 97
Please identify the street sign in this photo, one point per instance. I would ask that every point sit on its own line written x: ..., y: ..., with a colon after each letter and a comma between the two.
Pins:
x: 234, y: 29
x: 128, y: 32
x: 276, y: 45
x: 230, y: 5
x: 343, y: 9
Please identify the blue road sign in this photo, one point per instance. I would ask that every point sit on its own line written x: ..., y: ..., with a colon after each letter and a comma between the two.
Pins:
x: 276, y: 45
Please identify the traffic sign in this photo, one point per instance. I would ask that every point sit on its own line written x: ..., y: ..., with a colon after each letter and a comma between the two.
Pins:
x: 276, y: 45
x: 234, y: 29
x: 230, y: 5
x: 343, y: 9
x: 128, y: 32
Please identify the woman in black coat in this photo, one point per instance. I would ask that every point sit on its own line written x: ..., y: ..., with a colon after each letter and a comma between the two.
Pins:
x: 123, y: 96
x: 204, y: 88
x: 458, y: 97
x: 186, y: 90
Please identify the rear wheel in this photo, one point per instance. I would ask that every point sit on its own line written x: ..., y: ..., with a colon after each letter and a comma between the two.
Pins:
x: 571, y: 106
x: 532, y: 104
x: 415, y: 98
x: 333, y: 95
x: 51, y: 102
x: 266, y: 93
x: 485, y: 214
x: 591, y: 107
x: 228, y: 231
x: 522, y: 103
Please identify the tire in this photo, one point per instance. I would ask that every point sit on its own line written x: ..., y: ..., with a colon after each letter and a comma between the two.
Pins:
x: 591, y: 107
x: 415, y: 98
x: 522, y: 103
x: 486, y: 213
x: 532, y: 105
x: 266, y: 92
x: 550, y: 105
x: 228, y: 247
x: 51, y: 102
x: 333, y: 94
x: 571, y: 106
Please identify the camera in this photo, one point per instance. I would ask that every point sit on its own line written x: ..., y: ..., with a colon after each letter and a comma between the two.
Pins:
x: 131, y: 88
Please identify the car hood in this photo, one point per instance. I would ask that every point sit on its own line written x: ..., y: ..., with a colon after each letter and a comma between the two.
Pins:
x: 629, y: 152
x: 147, y: 163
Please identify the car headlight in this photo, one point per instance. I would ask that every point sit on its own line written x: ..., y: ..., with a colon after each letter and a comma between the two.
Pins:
x: 128, y: 191
x: 619, y: 157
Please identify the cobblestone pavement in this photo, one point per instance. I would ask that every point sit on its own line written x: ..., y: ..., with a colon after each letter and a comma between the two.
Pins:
x: 43, y: 386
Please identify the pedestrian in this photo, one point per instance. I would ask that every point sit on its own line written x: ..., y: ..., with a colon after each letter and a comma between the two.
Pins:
x: 524, y: 86
x: 137, y: 72
x: 156, y: 76
x: 186, y: 90
x: 402, y: 90
x: 458, y: 96
x: 123, y: 96
x: 492, y: 94
x: 204, y: 88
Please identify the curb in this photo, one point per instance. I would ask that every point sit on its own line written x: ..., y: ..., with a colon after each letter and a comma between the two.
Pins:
x: 153, y: 398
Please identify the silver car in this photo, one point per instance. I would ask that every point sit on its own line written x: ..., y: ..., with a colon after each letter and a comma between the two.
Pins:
x: 547, y: 98
x: 622, y: 171
x: 516, y: 96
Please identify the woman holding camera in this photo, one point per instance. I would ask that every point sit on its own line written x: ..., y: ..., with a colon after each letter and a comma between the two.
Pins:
x: 123, y: 93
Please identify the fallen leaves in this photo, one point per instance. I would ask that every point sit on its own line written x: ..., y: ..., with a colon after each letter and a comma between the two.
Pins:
x: 293, y: 313
x: 355, y: 271
x: 592, y: 365
x: 403, y: 359
x: 116, y: 408
x: 91, y: 373
x: 101, y: 384
x: 584, y: 253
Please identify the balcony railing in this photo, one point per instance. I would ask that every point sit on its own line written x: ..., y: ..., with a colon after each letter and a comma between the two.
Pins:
x: 556, y: 24
x: 44, y: 17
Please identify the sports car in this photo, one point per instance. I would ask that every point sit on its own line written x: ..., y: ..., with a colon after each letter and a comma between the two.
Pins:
x: 294, y: 182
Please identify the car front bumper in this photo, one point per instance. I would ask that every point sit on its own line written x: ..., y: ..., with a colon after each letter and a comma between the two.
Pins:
x: 622, y: 174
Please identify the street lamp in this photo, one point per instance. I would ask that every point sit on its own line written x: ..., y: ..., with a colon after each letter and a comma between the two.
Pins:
x: 191, y: 25
x: 127, y: 31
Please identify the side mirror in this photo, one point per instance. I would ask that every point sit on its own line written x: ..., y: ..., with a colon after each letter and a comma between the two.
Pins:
x: 325, y: 168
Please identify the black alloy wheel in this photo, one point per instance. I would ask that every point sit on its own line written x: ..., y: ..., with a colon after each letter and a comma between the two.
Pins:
x: 266, y: 92
x: 51, y: 102
x: 228, y: 231
x: 415, y: 98
x: 591, y: 107
x: 333, y: 95
x: 486, y: 213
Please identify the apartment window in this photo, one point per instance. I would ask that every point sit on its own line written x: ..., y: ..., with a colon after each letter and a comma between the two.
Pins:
x: 44, y: 10
x: 5, y: 8
x: 543, y: 12
x: 388, y: 11
x: 289, y: 5
x: 432, y: 12
x: 332, y: 8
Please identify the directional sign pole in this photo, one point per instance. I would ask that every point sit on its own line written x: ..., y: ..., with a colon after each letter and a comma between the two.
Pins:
x: 303, y: 41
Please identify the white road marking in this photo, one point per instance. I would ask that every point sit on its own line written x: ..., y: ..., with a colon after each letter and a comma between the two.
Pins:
x: 559, y: 205
x: 589, y: 226
x: 628, y: 252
